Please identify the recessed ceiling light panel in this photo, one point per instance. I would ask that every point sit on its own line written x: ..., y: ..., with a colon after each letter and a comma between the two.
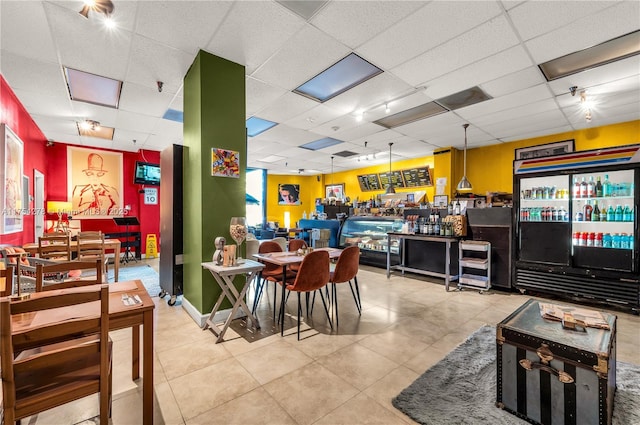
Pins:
x: 173, y: 115
x: 92, y: 88
x: 601, y: 54
x: 464, y: 98
x: 321, y: 143
x: 257, y: 125
x: 338, y: 78
x: 99, y: 131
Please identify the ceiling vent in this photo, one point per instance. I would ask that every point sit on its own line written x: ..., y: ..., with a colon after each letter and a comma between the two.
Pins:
x: 410, y: 115
x: 464, y: 98
x: 345, y: 154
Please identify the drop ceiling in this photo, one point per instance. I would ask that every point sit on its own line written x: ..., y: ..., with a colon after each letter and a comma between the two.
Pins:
x: 427, y: 51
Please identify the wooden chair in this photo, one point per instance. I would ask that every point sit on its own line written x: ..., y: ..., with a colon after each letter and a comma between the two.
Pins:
x: 346, y: 270
x: 55, y: 246
x: 312, y: 276
x: 56, y: 361
x: 6, y: 280
x: 70, y: 275
x: 24, y: 266
x: 271, y: 273
x: 91, y: 247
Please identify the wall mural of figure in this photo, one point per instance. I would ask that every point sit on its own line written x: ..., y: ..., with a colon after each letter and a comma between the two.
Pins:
x: 95, y: 183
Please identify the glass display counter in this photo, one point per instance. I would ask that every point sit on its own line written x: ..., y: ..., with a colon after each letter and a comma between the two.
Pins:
x: 370, y: 235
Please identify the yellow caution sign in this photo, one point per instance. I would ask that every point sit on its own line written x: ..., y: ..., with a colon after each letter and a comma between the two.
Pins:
x: 152, y: 246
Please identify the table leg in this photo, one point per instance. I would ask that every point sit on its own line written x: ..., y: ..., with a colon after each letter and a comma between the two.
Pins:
x: 284, y: 286
x: 239, y: 297
x: 447, y: 266
x: 147, y: 373
x: 388, y: 256
x: 116, y: 263
x: 135, y: 352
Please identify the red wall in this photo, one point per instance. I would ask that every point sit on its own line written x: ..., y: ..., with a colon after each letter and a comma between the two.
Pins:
x: 52, y: 162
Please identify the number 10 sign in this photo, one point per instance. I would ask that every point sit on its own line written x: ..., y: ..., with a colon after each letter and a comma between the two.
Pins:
x: 151, y: 196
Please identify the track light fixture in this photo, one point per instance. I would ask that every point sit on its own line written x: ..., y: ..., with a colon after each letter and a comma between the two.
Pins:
x: 390, y: 188
x: 90, y: 125
x: 465, y: 184
x: 105, y: 7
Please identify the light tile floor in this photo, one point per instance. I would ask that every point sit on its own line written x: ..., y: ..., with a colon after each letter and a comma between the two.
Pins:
x: 347, y: 376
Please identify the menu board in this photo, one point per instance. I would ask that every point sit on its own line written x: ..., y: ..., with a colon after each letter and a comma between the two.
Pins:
x: 417, y: 177
x: 369, y: 182
x: 396, y: 179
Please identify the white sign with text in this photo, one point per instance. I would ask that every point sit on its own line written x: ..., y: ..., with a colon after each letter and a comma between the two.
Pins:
x: 151, y: 196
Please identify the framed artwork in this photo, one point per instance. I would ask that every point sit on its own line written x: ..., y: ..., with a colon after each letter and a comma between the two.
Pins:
x: 334, y: 191
x: 440, y: 201
x: 225, y: 163
x: 94, y: 183
x: 289, y: 194
x: 549, y: 149
x: 12, y: 158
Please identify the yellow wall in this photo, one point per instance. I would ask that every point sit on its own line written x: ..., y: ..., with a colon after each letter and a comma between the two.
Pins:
x: 489, y: 169
x: 310, y: 189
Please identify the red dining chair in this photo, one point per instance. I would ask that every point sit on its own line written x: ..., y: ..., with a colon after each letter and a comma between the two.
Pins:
x: 295, y: 245
x: 345, y: 271
x: 312, y: 276
x: 270, y: 273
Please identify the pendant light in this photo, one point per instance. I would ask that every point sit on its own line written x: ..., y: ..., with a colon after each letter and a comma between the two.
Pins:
x: 465, y: 184
x: 390, y: 188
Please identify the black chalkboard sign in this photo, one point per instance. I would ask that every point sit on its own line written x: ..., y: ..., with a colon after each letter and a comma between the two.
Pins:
x: 396, y: 179
x: 369, y: 182
x: 415, y: 177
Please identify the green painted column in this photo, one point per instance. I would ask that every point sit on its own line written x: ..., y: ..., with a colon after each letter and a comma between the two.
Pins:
x: 214, y: 117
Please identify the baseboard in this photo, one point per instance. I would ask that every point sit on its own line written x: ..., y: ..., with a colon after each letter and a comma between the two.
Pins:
x: 200, y: 318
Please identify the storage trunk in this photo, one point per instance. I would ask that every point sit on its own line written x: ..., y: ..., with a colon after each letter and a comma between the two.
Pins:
x: 550, y: 375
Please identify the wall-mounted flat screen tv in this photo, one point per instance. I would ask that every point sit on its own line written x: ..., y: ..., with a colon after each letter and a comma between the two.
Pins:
x: 147, y: 173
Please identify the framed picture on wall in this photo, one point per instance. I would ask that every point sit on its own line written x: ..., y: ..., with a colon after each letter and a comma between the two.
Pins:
x: 289, y: 194
x: 12, y: 159
x: 334, y: 191
x: 94, y: 183
x: 549, y: 149
x: 225, y: 163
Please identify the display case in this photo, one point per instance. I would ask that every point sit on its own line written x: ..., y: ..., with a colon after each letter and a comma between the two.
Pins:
x: 576, y: 225
x: 370, y: 235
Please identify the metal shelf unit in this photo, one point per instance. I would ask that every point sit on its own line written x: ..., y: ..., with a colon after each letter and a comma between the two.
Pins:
x: 475, y: 265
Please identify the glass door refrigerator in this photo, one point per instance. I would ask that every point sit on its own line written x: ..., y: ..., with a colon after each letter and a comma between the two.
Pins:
x: 576, y: 225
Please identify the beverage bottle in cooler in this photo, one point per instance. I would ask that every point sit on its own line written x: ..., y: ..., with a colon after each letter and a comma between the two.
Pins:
x: 583, y: 188
x: 603, y: 213
x: 591, y: 239
x: 583, y: 238
x: 606, y: 240
x: 554, y: 214
x: 598, y: 188
x: 606, y: 186
x: 631, y: 245
x: 576, y: 188
x: 598, y: 241
x: 579, y: 216
x: 436, y: 226
x: 595, y: 214
x: 615, y: 240
x: 588, y: 209
x: 626, y: 214
x: 611, y: 214
x: 563, y: 215
x: 624, y: 241
x: 591, y: 188
x: 618, y: 213
x: 546, y: 192
x: 576, y: 238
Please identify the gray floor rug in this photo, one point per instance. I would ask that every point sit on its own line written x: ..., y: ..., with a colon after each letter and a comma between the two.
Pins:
x: 144, y: 272
x: 450, y: 394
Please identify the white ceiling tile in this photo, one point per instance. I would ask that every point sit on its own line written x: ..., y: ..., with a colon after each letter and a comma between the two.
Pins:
x: 510, y: 4
x: 259, y: 95
x: 534, y: 108
x: 586, y: 32
x: 524, y: 124
x: 144, y: 100
x: 286, y: 135
x: 538, y: 133
x: 507, y: 61
x: 180, y: 24
x: 364, y: 129
x: 486, y: 40
x: 429, y: 127
x: 133, y: 121
x: 20, y: 72
x: 354, y: 23
x: 45, y: 105
x: 428, y: 27
x: 303, y: 56
x: 535, y: 18
x: 64, y: 138
x: 126, y: 138
x: 252, y: 32
x: 106, y: 116
x: 375, y: 91
x: 286, y: 107
x: 34, y: 40
x: 314, y: 117
x: 515, y: 81
x: 152, y: 62
x: 56, y: 125
x: 334, y: 127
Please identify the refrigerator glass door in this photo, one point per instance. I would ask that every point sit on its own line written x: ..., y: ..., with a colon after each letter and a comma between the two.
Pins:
x: 544, y: 220
x: 603, y: 220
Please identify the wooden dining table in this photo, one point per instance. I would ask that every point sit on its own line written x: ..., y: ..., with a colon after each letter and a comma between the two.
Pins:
x: 285, y: 259
x: 109, y: 245
x: 121, y: 316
